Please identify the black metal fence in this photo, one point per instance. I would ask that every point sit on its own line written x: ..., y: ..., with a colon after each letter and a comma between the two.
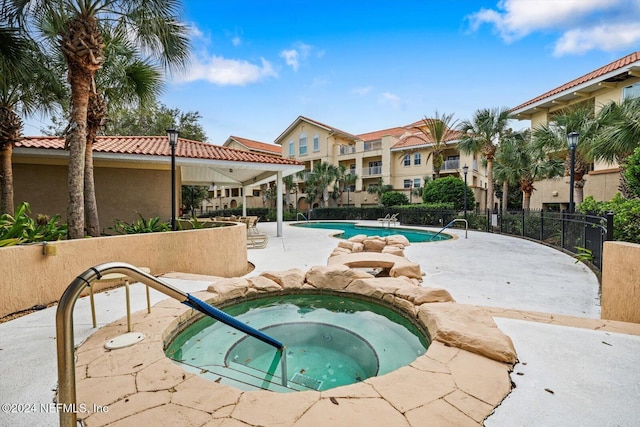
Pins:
x: 576, y: 233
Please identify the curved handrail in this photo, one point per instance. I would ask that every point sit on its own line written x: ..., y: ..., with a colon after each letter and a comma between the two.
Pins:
x: 298, y: 215
x: 64, y: 326
x: 466, y: 228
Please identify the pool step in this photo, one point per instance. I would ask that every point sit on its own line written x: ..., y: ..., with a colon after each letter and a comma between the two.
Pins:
x: 245, y: 378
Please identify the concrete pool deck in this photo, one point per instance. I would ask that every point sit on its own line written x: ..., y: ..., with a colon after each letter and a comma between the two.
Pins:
x: 573, y: 369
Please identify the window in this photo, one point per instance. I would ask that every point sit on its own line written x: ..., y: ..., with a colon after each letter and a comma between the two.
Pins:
x: 632, y: 91
x: 407, y: 183
x: 417, y: 159
x: 302, y: 144
x: 407, y: 160
x: 316, y: 142
x: 291, y: 150
x: 416, y: 183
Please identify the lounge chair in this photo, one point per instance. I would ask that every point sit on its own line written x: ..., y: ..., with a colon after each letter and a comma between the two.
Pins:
x: 385, y: 219
x: 393, y: 220
x: 257, y: 241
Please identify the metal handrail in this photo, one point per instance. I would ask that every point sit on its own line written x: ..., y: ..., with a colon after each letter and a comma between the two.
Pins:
x: 65, y: 337
x: 466, y: 227
x: 298, y: 215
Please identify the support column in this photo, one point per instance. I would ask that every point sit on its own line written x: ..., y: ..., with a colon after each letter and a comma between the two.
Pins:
x: 279, y: 186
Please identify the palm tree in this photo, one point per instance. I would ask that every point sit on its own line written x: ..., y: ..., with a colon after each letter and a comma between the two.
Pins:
x: 519, y: 160
x: 379, y: 189
x: 26, y: 86
x: 124, y: 79
x: 319, y: 180
x: 481, y: 134
x: 77, y: 26
x: 344, y: 178
x: 552, y: 138
x: 618, y: 135
x: 287, y: 182
x: 438, y: 130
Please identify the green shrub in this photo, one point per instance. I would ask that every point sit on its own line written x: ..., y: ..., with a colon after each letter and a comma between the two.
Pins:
x: 626, y: 221
x: 449, y: 189
x: 394, y: 198
x: 632, y: 173
x: 21, y: 228
x: 153, y: 225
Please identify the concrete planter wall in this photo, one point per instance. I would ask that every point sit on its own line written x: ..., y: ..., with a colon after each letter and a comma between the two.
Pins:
x: 621, y: 282
x: 28, y: 278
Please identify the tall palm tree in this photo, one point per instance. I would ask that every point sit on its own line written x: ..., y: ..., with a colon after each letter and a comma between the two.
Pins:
x: 26, y: 86
x: 287, y: 182
x: 438, y: 130
x: 618, y: 135
x: 482, y: 134
x: 344, y: 178
x: 77, y: 26
x: 552, y: 138
x: 124, y: 79
x: 519, y: 160
x: 319, y: 181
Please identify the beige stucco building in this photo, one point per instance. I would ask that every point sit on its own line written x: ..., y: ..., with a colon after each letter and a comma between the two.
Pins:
x: 610, y: 83
x: 400, y: 156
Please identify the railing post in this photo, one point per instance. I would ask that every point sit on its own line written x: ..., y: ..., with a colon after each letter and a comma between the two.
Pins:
x: 563, y: 228
x: 542, y: 225
x: 522, y: 222
x: 609, y: 216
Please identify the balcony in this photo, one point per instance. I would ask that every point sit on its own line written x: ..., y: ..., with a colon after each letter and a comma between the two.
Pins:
x: 372, y: 145
x: 450, y: 165
x: 372, y: 171
x: 347, y: 149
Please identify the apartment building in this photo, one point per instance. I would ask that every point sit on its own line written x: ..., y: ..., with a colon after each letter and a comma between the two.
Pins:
x: 400, y: 156
x: 613, y: 82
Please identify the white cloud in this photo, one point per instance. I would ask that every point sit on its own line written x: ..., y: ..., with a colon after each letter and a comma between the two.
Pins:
x: 605, y: 37
x: 582, y: 22
x: 362, y: 91
x: 236, y: 41
x: 300, y: 51
x: 391, y: 99
x: 229, y: 72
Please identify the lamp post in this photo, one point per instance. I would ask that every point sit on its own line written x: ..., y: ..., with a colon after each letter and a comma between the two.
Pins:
x: 465, y: 169
x: 296, y: 201
x: 172, y: 134
x: 411, y: 192
x: 572, y: 142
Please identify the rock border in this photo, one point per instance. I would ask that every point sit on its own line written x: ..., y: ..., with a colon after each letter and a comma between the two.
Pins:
x: 461, y: 378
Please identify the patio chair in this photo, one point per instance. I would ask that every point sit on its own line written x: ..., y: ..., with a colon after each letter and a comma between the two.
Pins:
x: 253, y: 224
x: 257, y: 241
x: 393, y: 220
x: 385, y: 219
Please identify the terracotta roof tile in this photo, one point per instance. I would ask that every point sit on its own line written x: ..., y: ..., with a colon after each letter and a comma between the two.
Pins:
x: 418, y: 138
x: 158, y: 146
x: 615, y: 65
x: 256, y: 145
x: 375, y: 135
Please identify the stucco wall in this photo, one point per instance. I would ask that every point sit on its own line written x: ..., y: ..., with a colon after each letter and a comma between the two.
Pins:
x: 28, y: 278
x: 600, y: 184
x: 621, y: 282
x: 120, y: 192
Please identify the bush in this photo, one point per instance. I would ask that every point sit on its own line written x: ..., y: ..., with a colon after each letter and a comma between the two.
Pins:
x: 21, y: 228
x: 626, y: 222
x: 394, y: 198
x: 153, y: 225
x: 450, y: 189
x: 632, y: 173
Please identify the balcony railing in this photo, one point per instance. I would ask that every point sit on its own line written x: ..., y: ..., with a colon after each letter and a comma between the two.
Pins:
x: 450, y: 164
x: 373, y: 170
x: 372, y: 145
x: 347, y: 149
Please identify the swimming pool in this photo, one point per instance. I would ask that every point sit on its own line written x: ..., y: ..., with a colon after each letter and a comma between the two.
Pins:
x: 350, y: 229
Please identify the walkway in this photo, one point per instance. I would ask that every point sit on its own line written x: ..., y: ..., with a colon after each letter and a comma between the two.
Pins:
x: 574, y: 370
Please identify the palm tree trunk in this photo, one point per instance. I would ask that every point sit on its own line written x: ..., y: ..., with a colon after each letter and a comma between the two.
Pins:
x: 526, y: 200
x: 505, y: 197
x: 490, y: 184
x: 77, y: 144
x: 92, y: 221
x: 6, y: 178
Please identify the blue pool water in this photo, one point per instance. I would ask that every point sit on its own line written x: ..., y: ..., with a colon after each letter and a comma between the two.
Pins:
x: 350, y: 229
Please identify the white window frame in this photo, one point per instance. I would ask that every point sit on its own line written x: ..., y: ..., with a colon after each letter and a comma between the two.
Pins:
x: 406, y: 160
x: 632, y: 91
x: 302, y: 144
x: 316, y: 142
x: 406, y: 183
x: 417, y: 182
x: 292, y: 151
x: 417, y: 159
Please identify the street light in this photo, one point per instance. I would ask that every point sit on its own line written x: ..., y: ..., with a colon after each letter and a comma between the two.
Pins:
x: 465, y: 169
x: 172, y: 134
x: 411, y: 192
x: 572, y: 142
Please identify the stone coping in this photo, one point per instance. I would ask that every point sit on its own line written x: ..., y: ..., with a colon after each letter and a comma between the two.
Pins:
x: 461, y: 378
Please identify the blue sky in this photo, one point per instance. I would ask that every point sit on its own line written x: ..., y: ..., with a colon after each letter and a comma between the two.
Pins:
x: 365, y: 66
